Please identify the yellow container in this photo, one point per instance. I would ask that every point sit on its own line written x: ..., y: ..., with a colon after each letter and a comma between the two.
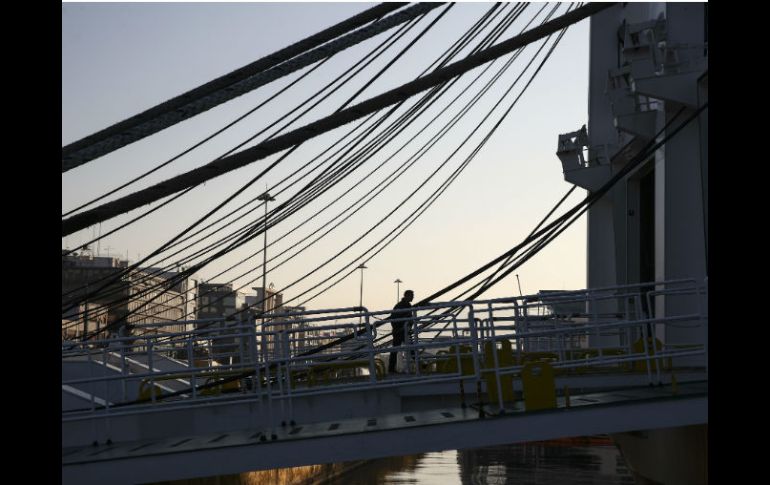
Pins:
x: 504, y: 359
x: 449, y: 366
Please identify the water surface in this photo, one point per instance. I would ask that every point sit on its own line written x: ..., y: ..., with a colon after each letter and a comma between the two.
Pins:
x: 542, y: 463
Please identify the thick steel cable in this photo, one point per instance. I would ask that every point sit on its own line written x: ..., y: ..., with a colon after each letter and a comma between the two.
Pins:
x: 476, y: 150
x: 245, y: 232
x: 639, y: 158
x: 201, y: 142
x: 136, y: 265
x: 396, y: 58
x: 402, y: 30
x: 491, y: 132
x: 423, y: 206
x: 413, y: 42
x: 174, y: 244
x: 320, y: 348
x: 129, y: 222
x: 328, y: 205
x: 448, y: 54
x: 423, y: 148
x: 622, y: 173
x: 515, y: 14
x: 541, y: 10
x: 500, y: 121
x: 384, y: 45
x: 350, y: 245
x: 430, y: 26
x: 233, y: 85
x: 470, y: 104
x: 413, y: 159
x: 402, y: 129
x: 262, y: 150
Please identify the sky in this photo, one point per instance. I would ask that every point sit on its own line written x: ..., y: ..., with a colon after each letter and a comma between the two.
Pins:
x: 119, y: 59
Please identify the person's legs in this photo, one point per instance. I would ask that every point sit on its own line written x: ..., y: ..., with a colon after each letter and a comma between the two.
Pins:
x: 411, y: 356
x: 398, y: 339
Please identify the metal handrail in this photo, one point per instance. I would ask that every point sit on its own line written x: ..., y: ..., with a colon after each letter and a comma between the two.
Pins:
x: 276, y: 354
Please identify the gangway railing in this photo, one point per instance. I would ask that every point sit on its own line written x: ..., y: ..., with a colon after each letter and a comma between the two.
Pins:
x: 460, y: 342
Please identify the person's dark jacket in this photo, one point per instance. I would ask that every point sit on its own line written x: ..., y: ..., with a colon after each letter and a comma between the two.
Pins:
x: 401, y: 318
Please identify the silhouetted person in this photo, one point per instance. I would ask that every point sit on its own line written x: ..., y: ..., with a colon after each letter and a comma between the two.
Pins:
x: 402, y: 320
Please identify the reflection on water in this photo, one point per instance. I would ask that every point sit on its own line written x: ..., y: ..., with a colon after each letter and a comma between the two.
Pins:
x: 551, y: 462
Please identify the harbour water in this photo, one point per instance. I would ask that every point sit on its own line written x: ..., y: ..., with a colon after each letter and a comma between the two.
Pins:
x: 579, y: 461
x: 591, y: 462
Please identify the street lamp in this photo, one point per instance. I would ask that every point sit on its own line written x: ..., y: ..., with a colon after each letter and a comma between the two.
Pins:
x: 398, y: 292
x: 361, y: 297
x: 267, y: 198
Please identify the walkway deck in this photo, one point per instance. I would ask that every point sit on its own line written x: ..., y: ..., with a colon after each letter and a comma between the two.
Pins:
x: 396, y: 434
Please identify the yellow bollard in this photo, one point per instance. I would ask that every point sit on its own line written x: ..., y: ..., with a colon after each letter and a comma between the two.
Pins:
x: 539, y: 386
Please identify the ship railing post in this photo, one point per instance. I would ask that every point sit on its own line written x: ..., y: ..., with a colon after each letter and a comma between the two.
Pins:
x: 241, y: 346
x: 150, y: 368
x: 652, y: 325
x: 517, y: 315
x: 640, y: 313
x: 416, y: 345
x: 475, y: 356
x: 267, y: 363
x: 458, y: 337
x: 629, y: 316
x: 370, y: 348
x: 259, y: 365
x: 263, y: 346
x: 592, y: 301
x: 253, y: 355
x: 526, y: 346
x: 287, y: 335
x: 495, y: 359
x: 191, y: 364
x: 106, y: 394
x: 279, y: 370
x: 92, y: 395
x: 645, y: 343
x: 91, y: 377
x: 123, y: 367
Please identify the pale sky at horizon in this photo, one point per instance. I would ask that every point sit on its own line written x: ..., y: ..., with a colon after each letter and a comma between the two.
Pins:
x: 119, y: 59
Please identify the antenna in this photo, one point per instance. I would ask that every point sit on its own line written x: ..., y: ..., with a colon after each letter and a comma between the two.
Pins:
x: 519, y: 282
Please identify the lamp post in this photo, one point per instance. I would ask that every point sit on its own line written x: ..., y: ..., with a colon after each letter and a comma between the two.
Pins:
x: 361, y: 295
x: 398, y: 290
x: 267, y: 198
